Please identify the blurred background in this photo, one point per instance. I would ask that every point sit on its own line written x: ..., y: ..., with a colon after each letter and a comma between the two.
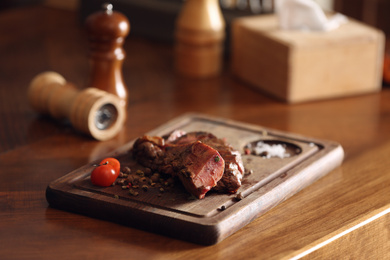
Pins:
x: 155, y: 18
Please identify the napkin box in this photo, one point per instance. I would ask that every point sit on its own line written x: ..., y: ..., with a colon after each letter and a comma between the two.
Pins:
x: 299, y: 66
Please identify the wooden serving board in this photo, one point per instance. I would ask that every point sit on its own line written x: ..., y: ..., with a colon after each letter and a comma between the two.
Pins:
x: 210, y: 220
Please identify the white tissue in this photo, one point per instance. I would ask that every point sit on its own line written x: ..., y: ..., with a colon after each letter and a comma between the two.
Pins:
x: 305, y: 15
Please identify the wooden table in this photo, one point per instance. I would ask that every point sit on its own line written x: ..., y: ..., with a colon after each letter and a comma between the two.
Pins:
x: 343, y: 215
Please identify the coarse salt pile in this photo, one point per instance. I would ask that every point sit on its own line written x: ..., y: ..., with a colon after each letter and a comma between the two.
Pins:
x: 268, y: 151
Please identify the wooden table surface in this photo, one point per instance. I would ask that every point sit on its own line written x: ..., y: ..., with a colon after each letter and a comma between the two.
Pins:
x: 343, y: 215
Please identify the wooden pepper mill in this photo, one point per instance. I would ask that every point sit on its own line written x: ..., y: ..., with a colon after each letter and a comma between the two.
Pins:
x: 106, y: 31
x: 91, y: 111
x: 199, y: 39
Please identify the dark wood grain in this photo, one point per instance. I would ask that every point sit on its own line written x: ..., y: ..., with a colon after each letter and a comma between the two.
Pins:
x: 34, y: 151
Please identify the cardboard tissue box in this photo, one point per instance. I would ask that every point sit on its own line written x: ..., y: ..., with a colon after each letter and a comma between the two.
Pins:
x: 298, y: 66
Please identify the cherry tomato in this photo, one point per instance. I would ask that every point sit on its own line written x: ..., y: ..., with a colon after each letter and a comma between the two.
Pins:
x: 114, y: 163
x: 103, y: 175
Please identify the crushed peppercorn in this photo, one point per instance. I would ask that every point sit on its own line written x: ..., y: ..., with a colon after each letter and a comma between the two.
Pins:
x: 239, y: 197
x: 222, y: 208
x: 132, y: 192
x: 126, y: 170
x: 140, y: 173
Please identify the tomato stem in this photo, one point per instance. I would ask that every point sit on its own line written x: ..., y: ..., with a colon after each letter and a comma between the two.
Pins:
x: 97, y: 165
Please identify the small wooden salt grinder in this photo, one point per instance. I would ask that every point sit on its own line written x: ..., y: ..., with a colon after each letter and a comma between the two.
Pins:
x: 91, y: 110
x: 199, y: 39
x: 107, y: 30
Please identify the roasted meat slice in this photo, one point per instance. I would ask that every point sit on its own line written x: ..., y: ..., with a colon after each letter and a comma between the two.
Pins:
x: 234, y: 168
x: 149, y: 151
x: 197, y: 165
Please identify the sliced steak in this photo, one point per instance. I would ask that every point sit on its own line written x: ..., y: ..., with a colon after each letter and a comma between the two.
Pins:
x: 197, y: 165
x: 234, y: 167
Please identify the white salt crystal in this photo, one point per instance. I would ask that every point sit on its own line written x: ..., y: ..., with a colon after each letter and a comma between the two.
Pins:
x: 274, y: 150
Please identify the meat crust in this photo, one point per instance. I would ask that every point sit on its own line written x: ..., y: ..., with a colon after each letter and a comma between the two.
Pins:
x: 234, y: 167
x: 197, y: 165
x: 199, y: 159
